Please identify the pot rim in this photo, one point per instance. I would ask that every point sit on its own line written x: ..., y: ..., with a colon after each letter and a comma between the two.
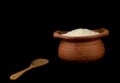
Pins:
x: 103, y: 32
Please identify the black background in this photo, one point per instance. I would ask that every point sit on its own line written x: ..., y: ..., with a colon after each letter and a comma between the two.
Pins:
x: 27, y: 34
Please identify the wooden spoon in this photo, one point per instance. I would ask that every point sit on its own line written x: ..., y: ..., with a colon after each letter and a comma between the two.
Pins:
x: 34, y: 63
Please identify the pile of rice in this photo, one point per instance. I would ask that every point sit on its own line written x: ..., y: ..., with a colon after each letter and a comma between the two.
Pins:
x: 80, y: 32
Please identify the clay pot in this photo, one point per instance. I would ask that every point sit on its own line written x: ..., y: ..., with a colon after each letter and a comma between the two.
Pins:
x: 81, y: 49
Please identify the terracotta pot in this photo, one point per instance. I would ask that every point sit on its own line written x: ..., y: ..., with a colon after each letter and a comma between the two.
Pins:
x: 81, y: 49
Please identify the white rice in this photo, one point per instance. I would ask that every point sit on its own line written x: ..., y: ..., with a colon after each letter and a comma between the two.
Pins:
x: 80, y: 32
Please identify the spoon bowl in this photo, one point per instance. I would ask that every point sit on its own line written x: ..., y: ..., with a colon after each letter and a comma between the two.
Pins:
x: 39, y: 62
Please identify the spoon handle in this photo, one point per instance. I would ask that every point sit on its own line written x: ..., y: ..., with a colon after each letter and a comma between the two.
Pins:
x: 18, y: 74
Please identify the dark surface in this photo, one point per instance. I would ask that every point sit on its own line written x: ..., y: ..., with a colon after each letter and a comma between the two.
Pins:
x: 27, y: 37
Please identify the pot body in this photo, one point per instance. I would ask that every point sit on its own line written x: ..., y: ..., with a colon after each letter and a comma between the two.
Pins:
x: 79, y: 51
